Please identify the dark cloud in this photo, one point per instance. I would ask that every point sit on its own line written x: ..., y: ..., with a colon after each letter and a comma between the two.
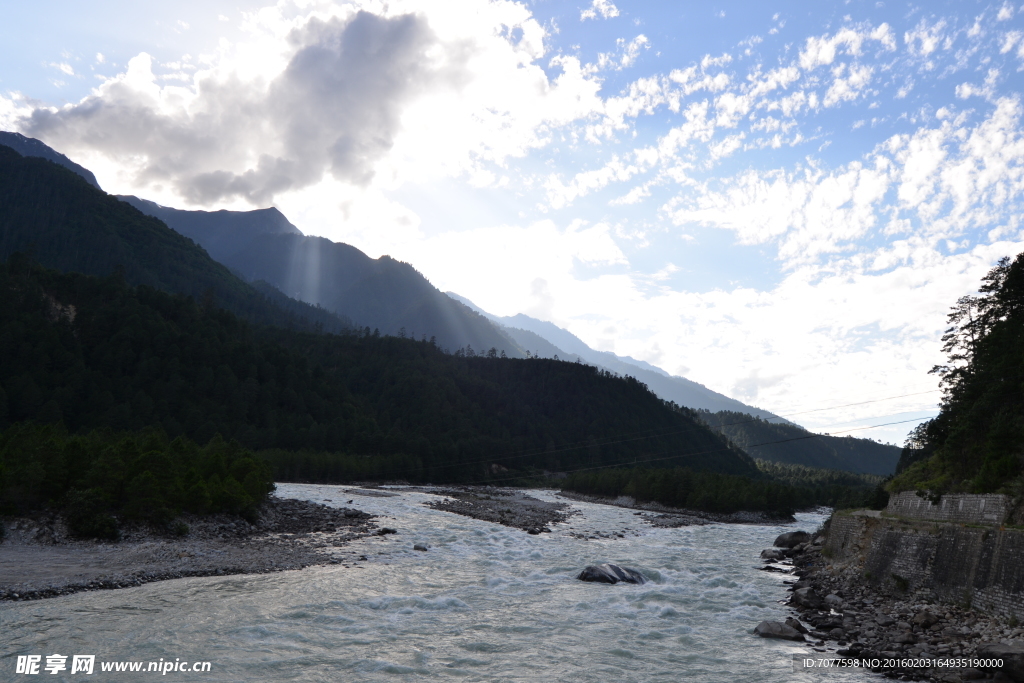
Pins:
x: 336, y: 108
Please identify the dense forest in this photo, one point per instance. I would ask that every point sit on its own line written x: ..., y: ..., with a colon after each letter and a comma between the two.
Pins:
x: 94, y: 352
x: 789, y: 488
x: 976, y: 442
x: 139, y: 348
x: 790, y: 444
x: 103, y: 476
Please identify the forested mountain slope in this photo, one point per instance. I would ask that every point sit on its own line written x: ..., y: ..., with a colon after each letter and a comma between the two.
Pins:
x: 383, y: 294
x: 30, y: 147
x: 976, y: 442
x: 63, y: 222
x: 95, y: 352
x: 792, y: 445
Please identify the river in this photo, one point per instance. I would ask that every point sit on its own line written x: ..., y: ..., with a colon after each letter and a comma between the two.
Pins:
x: 484, y: 603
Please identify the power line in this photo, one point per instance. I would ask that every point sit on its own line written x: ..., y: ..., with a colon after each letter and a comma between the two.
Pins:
x: 861, y: 403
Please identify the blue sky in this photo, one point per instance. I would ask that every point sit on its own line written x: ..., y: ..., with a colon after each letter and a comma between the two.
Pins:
x: 778, y: 200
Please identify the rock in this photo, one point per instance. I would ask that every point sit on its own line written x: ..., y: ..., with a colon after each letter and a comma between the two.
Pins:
x: 611, y: 573
x: 794, y: 624
x: 420, y: 546
x: 1012, y: 656
x: 385, y: 531
x: 836, y: 634
x: 925, y: 619
x: 773, y: 554
x: 906, y: 638
x: 806, y: 597
x: 792, y: 539
x: 774, y: 629
x: 833, y: 601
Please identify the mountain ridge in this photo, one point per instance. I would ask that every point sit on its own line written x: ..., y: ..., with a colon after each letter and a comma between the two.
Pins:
x: 384, y: 293
x: 669, y: 387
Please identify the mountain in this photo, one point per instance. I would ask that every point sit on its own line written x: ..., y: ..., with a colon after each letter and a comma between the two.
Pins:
x: 383, y: 294
x: 548, y: 340
x: 96, y: 353
x: 793, y: 445
x: 30, y: 147
x: 62, y: 221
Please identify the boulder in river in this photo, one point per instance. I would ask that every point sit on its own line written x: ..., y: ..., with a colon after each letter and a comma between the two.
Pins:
x: 420, y: 546
x: 773, y: 554
x: 611, y: 573
x: 792, y: 539
x: 775, y: 629
x: 794, y: 624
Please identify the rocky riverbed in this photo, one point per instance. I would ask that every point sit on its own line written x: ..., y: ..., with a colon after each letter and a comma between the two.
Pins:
x: 38, y: 559
x: 509, y: 507
x: 837, y: 610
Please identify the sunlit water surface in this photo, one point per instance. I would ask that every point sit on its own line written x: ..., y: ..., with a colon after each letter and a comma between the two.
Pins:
x: 485, y: 603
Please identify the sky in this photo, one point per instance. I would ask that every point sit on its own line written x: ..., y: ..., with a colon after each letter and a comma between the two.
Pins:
x: 779, y: 200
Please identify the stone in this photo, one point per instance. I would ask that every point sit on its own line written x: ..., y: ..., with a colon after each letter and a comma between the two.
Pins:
x: 924, y: 619
x: 836, y: 634
x: 906, y: 638
x: 385, y: 531
x: 611, y: 573
x: 806, y: 597
x: 833, y: 601
x: 791, y: 539
x: 775, y: 629
x: 773, y: 554
x: 420, y: 546
x: 1012, y: 656
x: 794, y: 624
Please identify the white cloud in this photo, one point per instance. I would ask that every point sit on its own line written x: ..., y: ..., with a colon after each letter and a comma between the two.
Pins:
x: 925, y: 38
x: 945, y: 180
x: 823, y: 51
x: 444, y: 91
x: 603, y: 8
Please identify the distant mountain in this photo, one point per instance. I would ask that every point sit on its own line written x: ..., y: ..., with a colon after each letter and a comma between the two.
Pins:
x: 794, y: 445
x: 30, y: 147
x: 383, y: 294
x: 64, y: 222
x: 548, y: 340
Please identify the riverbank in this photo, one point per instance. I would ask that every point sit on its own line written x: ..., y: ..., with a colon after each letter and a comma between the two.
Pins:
x: 838, y: 609
x: 38, y: 558
x: 668, y: 517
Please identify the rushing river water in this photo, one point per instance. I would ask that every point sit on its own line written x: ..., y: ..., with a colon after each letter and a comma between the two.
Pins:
x: 485, y: 603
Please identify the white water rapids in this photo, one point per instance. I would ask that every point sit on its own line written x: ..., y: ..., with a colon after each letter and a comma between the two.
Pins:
x: 485, y: 603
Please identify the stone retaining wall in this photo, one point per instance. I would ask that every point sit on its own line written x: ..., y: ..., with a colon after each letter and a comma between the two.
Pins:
x: 983, y: 567
x: 959, y: 508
